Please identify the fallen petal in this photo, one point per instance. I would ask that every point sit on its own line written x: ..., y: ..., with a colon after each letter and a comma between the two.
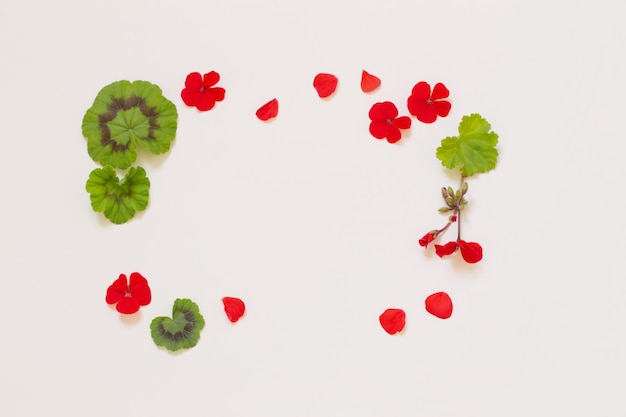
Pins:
x: 393, y: 320
x: 325, y: 84
x: 369, y: 82
x: 439, y: 305
x: 268, y: 111
x: 234, y: 308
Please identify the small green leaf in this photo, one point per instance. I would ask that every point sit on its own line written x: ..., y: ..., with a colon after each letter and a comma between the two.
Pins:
x: 118, y: 200
x: 473, y: 151
x: 182, y: 330
x: 125, y: 114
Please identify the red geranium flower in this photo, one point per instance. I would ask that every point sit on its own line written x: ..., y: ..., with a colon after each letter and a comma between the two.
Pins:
x: 386, y: 123
x: 199, y: 90
x: 426, y: 106
x: 471, y: 252
x: 234, y: 308
x: 393, y: 320
x: 129, y: 297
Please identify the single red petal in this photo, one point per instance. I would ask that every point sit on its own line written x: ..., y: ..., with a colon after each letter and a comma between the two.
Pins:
x: 393, y: 320
x: 471, y: 252
x: 325, y: 84
x: 268, y: 110
x: 218, y: 93
x: 234, y: 308
x: 384, y: 111
x: 127, y: 305
x: 190, y: 96
x: 205, y: 101
x: 210, y: 79
x: 379, y: 129
x: 117, y: 290
x: 439, y: 91
x: 139, y: 289
x: 194, y: 81
x: 394, y: 134
x: 442, y: 107
x: 421, y: 91
x: 369, y: 82
x: 447, y: 249
x: 403, y: 122
x: 439, y: 305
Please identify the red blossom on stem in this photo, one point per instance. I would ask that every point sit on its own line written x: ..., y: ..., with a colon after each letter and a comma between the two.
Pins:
x: 427, y: 105
x: 471, y: 252
x: 129, y: 296
x: 199, y: 90
x: 385, y: 122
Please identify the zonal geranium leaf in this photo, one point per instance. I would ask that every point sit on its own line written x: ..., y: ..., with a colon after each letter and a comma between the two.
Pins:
x: 118, y: 200
x: 125, y: 114
x: 474, y: 150
x: 182, y: 330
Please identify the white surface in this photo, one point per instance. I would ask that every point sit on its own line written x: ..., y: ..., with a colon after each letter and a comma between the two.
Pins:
x: 312, y: 221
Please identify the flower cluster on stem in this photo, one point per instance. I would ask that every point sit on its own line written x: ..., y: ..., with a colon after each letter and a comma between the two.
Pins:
x: 455, y: 201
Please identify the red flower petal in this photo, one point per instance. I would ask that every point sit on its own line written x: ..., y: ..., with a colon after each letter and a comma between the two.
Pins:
x: 426, y: 239
x: 403, y: 122
x: 471, y: 252
x: 268, y: 110
x: 439, y: 305
x: 384, y: 111
x: 139, y: 289
x: 392, y: 320
x: 218, y: 93
x: 190, y: 96
x: 325, y: 84
x: 204, y: 101
x: 442, y: 108
x: 421, y: 91
x: 210, y: 79
x: 369, y: 82
x: 117, y: 290
x: 234, y: 308
x: 394, y: 134
x: 127, y: 305
x: 194, y: 81
x: 439, y: 91
x: 447, y: 249
x: 379, y: 129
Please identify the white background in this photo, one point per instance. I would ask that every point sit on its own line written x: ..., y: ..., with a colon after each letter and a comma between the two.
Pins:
x: 310, y: 220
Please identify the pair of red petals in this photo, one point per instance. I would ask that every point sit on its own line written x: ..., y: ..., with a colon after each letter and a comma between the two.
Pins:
x: 471, y: 252
x: 438, y: 304
x: 326, y: 84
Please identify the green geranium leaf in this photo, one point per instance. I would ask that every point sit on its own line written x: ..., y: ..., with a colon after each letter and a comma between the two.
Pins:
x: 118, y: 200
x: 473, y: 151
x: 182, y: 330
x: 125, y: 114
